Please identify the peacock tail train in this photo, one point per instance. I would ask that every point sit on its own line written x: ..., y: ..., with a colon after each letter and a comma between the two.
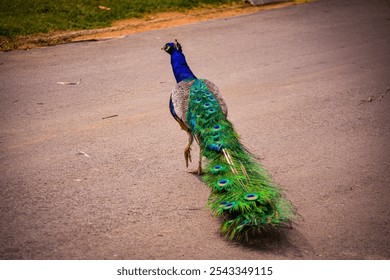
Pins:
x: 242, y: 192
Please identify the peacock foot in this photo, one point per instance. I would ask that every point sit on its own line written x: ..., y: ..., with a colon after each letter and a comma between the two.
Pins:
x: 198, y: 171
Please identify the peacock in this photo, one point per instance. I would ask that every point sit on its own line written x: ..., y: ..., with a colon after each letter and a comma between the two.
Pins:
x: 242, y: 192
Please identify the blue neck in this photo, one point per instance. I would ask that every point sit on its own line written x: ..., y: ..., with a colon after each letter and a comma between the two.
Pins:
x: 180, y: 68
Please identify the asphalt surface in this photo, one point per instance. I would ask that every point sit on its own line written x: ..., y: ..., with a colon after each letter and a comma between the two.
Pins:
x: 95, y: 169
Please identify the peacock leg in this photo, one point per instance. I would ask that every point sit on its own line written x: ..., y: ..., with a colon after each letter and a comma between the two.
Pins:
x: 200, y: 171
x: 187, y: 150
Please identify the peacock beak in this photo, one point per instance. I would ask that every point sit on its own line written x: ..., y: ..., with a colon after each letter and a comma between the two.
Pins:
x: 166, y: 48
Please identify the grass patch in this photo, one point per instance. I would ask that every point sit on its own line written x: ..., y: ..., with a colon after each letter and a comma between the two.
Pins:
x: 29, y: 17
x: 24, y: 20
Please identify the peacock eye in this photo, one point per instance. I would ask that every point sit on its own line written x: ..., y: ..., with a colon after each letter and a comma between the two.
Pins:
x: 167, y: 47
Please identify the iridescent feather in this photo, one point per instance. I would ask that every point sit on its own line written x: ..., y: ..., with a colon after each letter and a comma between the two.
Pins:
x: 242, y: 192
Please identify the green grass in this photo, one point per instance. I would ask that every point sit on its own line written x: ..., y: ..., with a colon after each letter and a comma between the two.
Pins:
x: 29, y: 17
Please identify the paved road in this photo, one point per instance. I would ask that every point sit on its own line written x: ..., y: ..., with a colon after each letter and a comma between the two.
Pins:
x: 307, y: 88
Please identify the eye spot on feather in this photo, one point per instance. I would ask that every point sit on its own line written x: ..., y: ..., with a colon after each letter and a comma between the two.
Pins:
x: 207, y: 93
x: 207, y: 104
x: 223, y: 182
x: 251, y: 196
x: 198, y: 100
x: 228, y: 205
x: 217, y: 127
x: 211, y: 110
x: 215, y: 146
x: 211, y: 98
x: 217, y: 168
x: 223, y: 203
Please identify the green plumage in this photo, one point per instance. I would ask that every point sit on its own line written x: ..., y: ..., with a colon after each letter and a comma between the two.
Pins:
x: 242, y: 192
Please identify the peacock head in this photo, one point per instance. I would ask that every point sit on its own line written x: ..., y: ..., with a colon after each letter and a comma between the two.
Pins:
x: 171, y: 47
